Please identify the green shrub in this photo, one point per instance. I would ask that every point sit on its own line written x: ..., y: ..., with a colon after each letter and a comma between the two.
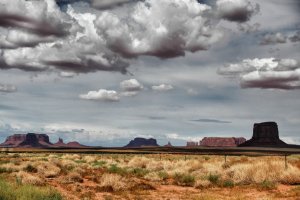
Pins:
x: 267, y: 185
x: 15, y: 155
x: 5, y: 170
x: 184, y: 179
x: 228, y: 183
x: 213, y: 178
x: 30, y: 168
x: 100, y: 163
x: 80, y: 161
x: 117, y: 170
x: 206, y: 158
x: 4, y: 162
x: 163, y: 175
x: 9, y: 191
x: 140, y: 172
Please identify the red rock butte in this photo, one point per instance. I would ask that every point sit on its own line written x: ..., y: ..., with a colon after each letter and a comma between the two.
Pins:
x: 265, y: 134
x: 222, y: 141
x: 34, y: 140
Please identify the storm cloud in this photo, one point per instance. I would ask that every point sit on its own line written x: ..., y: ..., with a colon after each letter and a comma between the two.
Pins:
x: 236, y: 10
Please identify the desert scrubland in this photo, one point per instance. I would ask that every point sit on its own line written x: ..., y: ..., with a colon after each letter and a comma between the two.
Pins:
x: 115, y: 176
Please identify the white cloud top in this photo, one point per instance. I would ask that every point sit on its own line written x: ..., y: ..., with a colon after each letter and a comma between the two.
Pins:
x: 266, y: 73
x: 131, y: 85
x: 40, y: 36
x: 162, y: 87
x: 102, y: 94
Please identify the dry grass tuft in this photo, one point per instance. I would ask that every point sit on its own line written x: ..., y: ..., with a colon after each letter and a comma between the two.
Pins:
x: 202, y: 183
x: 140, y: 162
x: 113, y: 182
x: 48, y: 170
x: 73, y: 177
x: 27, y: 178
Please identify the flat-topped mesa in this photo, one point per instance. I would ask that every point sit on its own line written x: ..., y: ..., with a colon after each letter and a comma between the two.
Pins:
x: 192, y: 144
x: 142, y: 142
x: 265, y: 134
x: 221, y: 141
x: 27, y: 140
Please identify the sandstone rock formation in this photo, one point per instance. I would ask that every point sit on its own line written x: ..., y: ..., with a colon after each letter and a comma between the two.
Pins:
x: 60, y: 143
x: 142, y: 142
x: 27, y: 140
x: 33, y: 140
x: 192, y: 144
x: 168, y: 145
x: 222, y: 141
x: 265, y: 134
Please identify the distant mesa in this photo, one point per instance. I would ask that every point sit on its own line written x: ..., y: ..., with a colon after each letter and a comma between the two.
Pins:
x: 192, y: 144
x: 27, y: 140
x: 60, y: 142
x: 168, y: 145
x: 74, y: 144
x: 265, y: 134
x: 217, y: 142
x: 142, y: 142
x: 222, y: 141
x: 34, y: 140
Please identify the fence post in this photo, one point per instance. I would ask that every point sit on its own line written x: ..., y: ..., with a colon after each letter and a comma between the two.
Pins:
x: 285, y: 160
x: 225, y: 158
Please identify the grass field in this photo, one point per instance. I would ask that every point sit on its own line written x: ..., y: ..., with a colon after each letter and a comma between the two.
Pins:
x: 151, y: 176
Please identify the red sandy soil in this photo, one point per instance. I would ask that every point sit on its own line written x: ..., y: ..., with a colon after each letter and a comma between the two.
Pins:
x: 88, y: 190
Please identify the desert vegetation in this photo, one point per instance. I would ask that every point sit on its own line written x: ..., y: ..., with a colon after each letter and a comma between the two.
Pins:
x: 80, y: 176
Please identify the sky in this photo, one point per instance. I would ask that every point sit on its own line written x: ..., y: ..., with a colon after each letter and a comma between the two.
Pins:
x: 102, y: 72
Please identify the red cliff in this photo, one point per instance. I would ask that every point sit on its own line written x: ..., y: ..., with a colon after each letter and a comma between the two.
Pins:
x: 222, y: 141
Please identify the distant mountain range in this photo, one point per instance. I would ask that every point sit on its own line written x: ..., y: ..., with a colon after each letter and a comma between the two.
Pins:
x: 34, y: 140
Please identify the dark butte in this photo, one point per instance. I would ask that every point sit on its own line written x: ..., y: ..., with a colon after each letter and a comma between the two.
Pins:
x: 142, y: 142
x: 265, y: 134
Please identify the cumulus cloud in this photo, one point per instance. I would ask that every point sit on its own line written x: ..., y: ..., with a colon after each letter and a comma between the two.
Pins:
x: 12, y: 39
x: 273, y: 38
x: 149, y: 30
x: 162, y: 87
x: 81, y: 51
x: 102, y: 94
x: 39, y: 36
x: 266, y: 73
x: 236, y: 10
x: 295, y: 37
x: 7, y: 88
x: 129, y: 88
x: 131, y: 85
x: 44, y: 21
